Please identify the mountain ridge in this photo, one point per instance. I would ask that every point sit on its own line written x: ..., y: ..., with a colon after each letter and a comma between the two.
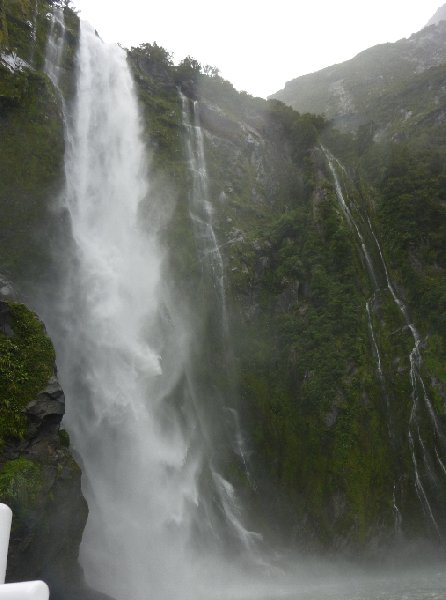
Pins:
x: 351, y: 92
x: 440, y: 15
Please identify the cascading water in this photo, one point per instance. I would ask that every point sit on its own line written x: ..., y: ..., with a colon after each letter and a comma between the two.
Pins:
x: 140, y: 465
x: 55, y: 46
x: 123, y: 350
x: 417, y: 381
x: 348, y: 215
x: 201, y: 208
x: 420, y: 397
x: 33, y: 33
x: 210, y: 256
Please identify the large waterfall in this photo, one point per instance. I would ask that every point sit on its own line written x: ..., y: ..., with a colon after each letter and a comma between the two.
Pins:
x: 117, y: 367
x: 135, y: 413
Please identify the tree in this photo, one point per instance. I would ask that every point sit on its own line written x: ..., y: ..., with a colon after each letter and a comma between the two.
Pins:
x: 189, y: 69
x: 154, y: 54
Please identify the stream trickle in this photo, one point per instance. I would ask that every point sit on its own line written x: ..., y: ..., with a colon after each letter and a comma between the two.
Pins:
x: 55, y: 46
x: 201, y: 215
x: 419, y: 396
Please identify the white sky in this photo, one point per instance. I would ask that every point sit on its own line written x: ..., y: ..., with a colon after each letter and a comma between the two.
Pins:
x: 259, y: 44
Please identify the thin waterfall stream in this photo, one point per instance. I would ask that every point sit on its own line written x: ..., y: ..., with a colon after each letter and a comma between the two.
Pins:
x: 200, y: 206
x: 55, y: 46
x: 201, y: 215
x: 419, y: 396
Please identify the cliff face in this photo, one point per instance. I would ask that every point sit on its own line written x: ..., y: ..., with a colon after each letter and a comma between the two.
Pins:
x: 31, y: 130
x: 319, y: 356
x: 391, y: 177
x: 323, y: 354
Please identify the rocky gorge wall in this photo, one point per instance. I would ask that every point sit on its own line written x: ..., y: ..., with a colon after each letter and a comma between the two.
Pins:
x: 324, y: 471
x: 321, y: 349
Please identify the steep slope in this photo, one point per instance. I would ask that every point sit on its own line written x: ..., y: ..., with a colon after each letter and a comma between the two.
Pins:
x: 440, y: 15
x: 377, y: 85
x: 31, y: 130
x: 390, y: 185
x: 315, y: 409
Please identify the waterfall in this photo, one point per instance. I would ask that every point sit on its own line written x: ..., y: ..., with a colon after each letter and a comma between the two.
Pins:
x: 140, y: 463
x: 419, y: 396
x: 200, y: 206
x: 155, y: 492
x: 201, y: 216
x: 34, y: 33
x: 348, y: 215
x: 55, y: 46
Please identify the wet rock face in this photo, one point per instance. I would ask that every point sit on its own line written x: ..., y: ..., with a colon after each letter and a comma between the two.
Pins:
x: 6, y: 289
x: 49, y: 403
x: 5, y: 320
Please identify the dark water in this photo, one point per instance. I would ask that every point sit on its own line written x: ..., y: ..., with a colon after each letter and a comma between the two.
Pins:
x: 426, y: 583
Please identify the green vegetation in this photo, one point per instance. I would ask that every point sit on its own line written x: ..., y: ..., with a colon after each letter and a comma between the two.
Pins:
x: 24, y: 28
x: 64, y: 438
x: 412, y: 218
x: 21, y: 485
x: 26, y: 364
x: 30, y: 173
x: 309, y: 376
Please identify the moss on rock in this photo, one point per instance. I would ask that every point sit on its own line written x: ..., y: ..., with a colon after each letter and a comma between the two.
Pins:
x: 26, y: 364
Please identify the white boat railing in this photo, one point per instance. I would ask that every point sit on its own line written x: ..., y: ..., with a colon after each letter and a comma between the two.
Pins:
x: 29, y: 590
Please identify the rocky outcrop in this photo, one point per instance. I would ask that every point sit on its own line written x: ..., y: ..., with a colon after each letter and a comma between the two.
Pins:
x: 39, y: 479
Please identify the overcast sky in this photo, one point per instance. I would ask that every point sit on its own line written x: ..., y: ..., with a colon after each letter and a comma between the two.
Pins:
x: 258, y: 45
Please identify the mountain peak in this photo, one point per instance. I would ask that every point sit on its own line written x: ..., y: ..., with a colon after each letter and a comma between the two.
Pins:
x: 440, y: 15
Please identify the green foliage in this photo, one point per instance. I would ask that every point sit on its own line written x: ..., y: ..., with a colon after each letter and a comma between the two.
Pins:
x: 379, y: 88
x: 309, y: 375
x: 64, y: 438
x: 3, y: 25
x: 30, y: 173
x: 18, y: 18
x: 210, y: 71
x: 409, y: 182
x: 435, y: 358
x: 20, y: 486
x: 189, y: 69
x: 153, y: 54
x: 302, y: 131
x: 13, y: 87
x: 26, y: 364
x: 160, y: 103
